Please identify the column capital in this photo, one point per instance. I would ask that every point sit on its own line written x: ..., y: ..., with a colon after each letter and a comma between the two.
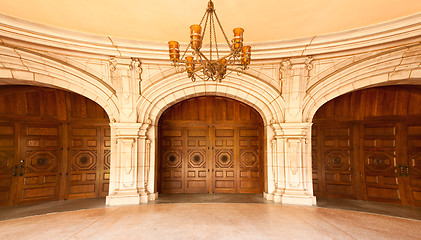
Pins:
x: 291, y: 130
x: 127, y: 129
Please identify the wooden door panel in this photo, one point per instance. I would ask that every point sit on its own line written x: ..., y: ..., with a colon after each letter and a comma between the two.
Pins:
x: 224, y: 178
x: 315, y: 160
x: 7, y: 163
x: 172, y: 165
x: 197, y: 160
x: 42, y: 163
x: 413, y: 168
x: 106, y: 161
x: 338, y: 171
x: 249, y: 172
x: 84, y: 163
x: 380, y: 164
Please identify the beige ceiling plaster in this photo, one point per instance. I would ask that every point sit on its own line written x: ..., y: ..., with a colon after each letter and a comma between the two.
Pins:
x: 163, y: 20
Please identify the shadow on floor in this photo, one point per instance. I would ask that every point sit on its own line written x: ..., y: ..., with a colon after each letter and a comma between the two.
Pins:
x: 371, y: 207
x: 79, y: 204
x: 50, y: 207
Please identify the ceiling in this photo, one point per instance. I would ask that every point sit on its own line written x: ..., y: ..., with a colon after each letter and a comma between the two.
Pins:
x: 163, y: 20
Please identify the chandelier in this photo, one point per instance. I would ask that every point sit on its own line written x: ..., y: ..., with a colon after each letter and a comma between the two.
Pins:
x: 210, y: 64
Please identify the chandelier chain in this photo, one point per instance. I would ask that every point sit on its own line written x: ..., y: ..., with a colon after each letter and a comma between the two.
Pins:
x: 204, y: 28
x: 210, y: 35
x: 204, y: 15
x: 223, y: 32
x: 216, y: 41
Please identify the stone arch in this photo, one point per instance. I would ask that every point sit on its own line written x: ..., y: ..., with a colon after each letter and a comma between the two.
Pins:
x: 396, y: 66
x: 25, y: 67
x: 163, y: 94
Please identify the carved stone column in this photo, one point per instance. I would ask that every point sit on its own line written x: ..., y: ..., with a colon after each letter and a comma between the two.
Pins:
x: 295, y: 139
x: 124, y: 186
x: 129, y: 165
x: 126, y: 78
x: 294, y: 78
x: 291, y: 145
x: 278, y: 164
x: 144, y: 166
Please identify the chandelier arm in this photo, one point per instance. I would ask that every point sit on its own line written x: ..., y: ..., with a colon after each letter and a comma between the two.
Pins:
x: 222, y: 29
x: 228, y: 56
x: 200, y: 77
x: 202, y: 55
x: 184, y: 54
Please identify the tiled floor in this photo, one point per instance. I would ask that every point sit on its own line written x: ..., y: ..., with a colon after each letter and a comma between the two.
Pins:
x: 202, y: 216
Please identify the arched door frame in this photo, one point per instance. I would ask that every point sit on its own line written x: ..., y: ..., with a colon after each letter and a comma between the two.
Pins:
x: 25, y: 67
x: 256, y: 93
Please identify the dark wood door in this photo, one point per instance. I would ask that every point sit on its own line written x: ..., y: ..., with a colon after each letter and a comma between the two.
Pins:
x: 380, y: 158
x: 378, y: 132
x: 337, y: 166
x: 225, y: 166
x: 250, y: 172
x: 197, y: 160
x: 210, y: 144
x: 8, y: 163
x: 54, y: 145
x: 40, y: 164
x: 412, y: 170
x: 172, y: 164
x: 89, y: 161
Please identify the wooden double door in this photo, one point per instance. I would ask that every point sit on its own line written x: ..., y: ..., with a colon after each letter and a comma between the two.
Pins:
x: 54, y: 145
x: 370, y: 161
x: 216, y: 149
x: 54, y: 161
x: 363, y: 155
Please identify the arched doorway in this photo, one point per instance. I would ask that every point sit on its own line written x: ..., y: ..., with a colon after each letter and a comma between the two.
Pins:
x: 210, y: 145
x: 367, y: 146
x: 54, y: 145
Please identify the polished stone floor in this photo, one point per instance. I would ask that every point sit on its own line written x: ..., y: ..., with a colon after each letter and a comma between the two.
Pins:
x: 203, y: 216
x: 210, y: 221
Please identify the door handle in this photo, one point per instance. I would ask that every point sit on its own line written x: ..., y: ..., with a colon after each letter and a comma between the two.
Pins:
x: 21, y: 166
x: 15, y: 168
x: 401, y: 170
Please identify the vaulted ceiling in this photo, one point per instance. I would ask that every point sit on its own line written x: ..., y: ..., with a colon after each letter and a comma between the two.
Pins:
x: 163, y: 20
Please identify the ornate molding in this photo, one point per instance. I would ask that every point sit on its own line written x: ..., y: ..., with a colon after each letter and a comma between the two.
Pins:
x: 56, y: 39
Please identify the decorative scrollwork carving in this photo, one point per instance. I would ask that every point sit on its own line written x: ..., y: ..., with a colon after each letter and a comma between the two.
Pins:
x: 308, y: 63
x: 113, y: 64
x: 284, y: 68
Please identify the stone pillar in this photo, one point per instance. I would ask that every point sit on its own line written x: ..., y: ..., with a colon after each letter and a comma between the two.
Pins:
x: 124, y: 186
x: 296, y: 159
x: 130, y: 165
x: 291, y: 145
x: 278, y: 164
